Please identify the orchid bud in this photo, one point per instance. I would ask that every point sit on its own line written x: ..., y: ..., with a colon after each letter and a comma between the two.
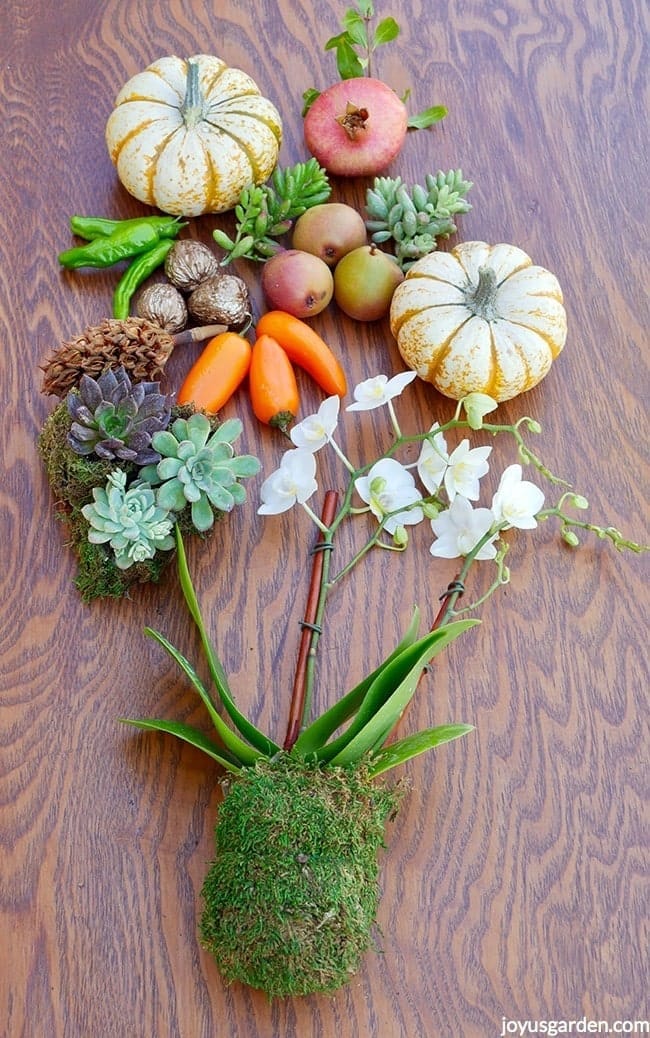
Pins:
x: 570, y: 538
x: 476, y: 406
x: 400, y: 537
x: 431, y: 509
x: 578, y: 501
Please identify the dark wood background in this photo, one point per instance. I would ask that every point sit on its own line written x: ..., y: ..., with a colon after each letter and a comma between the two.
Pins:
x: 515, y: 880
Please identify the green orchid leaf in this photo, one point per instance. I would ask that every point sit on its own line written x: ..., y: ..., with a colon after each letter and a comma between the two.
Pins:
x: 426, y: 118
x: 402, y: 751
x: 314, y: 737
x: 385, y: 681
x: 241, y: 750
x: 246, y: 728
x: 188, y: 734
x: 391, y: 691
x: 387, y: 30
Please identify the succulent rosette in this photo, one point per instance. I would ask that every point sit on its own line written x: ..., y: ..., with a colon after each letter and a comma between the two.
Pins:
x: 198, y: 467
x: 114, y: 418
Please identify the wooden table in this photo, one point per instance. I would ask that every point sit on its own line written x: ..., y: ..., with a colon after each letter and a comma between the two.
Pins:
x: 515, y: 877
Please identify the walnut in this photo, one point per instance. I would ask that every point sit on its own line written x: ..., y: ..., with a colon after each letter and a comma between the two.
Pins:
x: 189, y: 263
x: 164, y: 305
x: 222, y: 299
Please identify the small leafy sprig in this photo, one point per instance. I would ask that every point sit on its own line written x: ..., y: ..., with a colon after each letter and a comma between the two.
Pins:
x: 414, y: 218
x: 266, y: 212
x: 355, y: 47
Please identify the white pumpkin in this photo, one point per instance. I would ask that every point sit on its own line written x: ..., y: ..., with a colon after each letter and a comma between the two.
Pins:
x: 480, y: 318
x: 186, y: 136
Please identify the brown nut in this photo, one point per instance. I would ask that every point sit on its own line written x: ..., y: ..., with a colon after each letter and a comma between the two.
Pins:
x: 164, y: 305
x: 188, y: 263
x: 223, y: 299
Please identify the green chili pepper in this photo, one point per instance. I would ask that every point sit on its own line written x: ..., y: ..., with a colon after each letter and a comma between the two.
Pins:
x: 123, y: 243
x: 139, y: 270
x: 90, y: 227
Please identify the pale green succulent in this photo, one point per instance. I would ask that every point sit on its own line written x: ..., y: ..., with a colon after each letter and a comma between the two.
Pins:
x: 198, y: 466
x: 128, y: 520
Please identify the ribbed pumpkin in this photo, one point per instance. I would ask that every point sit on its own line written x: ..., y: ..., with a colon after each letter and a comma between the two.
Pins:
x: 187, y: 135
x: 480, y: 318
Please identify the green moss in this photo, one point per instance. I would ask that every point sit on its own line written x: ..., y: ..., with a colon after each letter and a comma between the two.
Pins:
x: 291, y: 897
x: 70, y: 476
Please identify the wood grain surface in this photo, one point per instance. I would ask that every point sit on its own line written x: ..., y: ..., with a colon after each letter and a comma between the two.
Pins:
x: 515, y: 879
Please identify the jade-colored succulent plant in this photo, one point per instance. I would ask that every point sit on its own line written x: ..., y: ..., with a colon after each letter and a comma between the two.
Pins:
x: 128, y: 520
x: 114, y: 418
x: 198, y: 466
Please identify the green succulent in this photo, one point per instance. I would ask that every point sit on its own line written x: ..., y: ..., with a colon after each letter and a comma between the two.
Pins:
x: 114, y: 418
x: 198, y: 467
x: 128, y: 520
x: 414, y: 218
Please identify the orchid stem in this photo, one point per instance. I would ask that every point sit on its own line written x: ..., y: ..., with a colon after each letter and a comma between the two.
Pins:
x: 311, y: 629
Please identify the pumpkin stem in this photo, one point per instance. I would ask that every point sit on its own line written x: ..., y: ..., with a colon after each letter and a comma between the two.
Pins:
x: 192, y: 107
x: 480, y: 299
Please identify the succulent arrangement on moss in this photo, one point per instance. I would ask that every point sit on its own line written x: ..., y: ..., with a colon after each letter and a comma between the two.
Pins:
x: 125, y: 477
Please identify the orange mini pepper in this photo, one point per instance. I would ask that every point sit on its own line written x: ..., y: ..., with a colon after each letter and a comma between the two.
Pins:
x: 305, y: 348
x: 272, y: 384
x: 217, y: 373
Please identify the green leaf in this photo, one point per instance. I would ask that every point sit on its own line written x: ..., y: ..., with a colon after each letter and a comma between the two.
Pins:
x: 366, y: 8
x: 336, y: 41
x: 242, y: 247
x: 392, y: 690
x: 356, y: 28
x: 314, y: 737
x: 242, y: 752
x: 399, y: 752
x: 250, y: 732
x: 349, y: 65
x: 387, y: 30
x: 385, y: 681
x: 187, y: 734
x: 223, y: 240
x: 426, y: 118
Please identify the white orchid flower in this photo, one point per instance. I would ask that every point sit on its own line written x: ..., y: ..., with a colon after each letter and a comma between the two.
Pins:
x: 379, y: 390
x: 517, y: 501
x: 466, y: 466
x: 433, y: 460
x: 317, y: 429
x: 459, y: 529
x: 292, y: 483
x: 387, y: 488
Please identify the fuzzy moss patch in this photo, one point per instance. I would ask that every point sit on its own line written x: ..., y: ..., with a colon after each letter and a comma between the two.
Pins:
x: 291, y: 897
x: 72, y: 479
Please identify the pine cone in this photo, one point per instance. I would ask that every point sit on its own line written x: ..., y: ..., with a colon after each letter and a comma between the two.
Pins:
x: 141, y: 347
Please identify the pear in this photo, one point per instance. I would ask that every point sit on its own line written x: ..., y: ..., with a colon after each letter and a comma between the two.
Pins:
x: 297, y: 282
x: 364, y: 282
x: 329, y: 231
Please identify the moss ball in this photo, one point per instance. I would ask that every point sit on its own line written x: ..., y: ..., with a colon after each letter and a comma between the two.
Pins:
x: 292, y: 894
